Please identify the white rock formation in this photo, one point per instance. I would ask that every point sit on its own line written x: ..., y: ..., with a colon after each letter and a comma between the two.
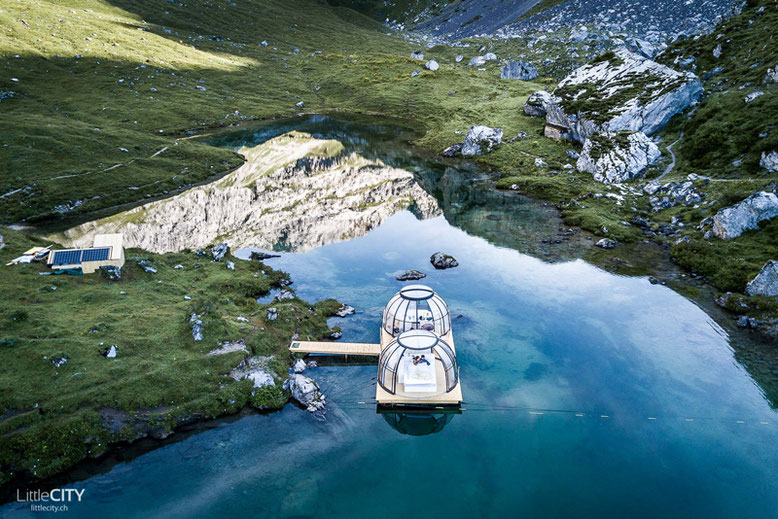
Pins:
x: 623, y: 91
x: 293, y: 189
x: 432, y: 65
x: 535, y: 106
x: 613, y: 157
x: 766, y: 282
x: 481, y: 139
x: 518, y: 70
x: 733, y: 221
x: 299, y: 366
x: 306, y: 392
x: 770, y: 161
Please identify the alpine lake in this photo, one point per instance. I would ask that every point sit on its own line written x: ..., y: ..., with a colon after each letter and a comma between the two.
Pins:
x: 589, y: 390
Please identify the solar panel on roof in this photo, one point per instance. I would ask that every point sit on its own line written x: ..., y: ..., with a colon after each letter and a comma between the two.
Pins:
x: 67, y: 257
x: 100, y: 254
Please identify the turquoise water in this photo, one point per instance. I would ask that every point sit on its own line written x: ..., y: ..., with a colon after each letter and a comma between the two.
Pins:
x: 587, y: 395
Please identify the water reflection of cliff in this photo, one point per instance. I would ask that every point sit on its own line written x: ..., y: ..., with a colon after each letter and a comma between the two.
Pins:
x: 294, y: 193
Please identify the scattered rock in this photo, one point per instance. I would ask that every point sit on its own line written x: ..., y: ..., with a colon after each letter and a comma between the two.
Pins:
x: 606, y: 243
x: 460, y: 57
x: 416, y: 73
x: 518, y: 70
x: 229, y: 347
x: 432, y: 65
x: 772, y: 75
x: 750, y: 97
x: 443, y: 261
x: 110, y: 353
x: 242, y: 319
x: 59, y: 361
x: 284, y: 295
x: 453, y: 150
x: 540, y: 163
x: 536, y: 104
x: 272, y: 314
x: 299, y: 366
x: 419, y: 55
x: 345, y: 310
x: 111, y: 272
x: 299, y: 104
x: 230, y: 265
x: 218, y: 251
x: 770, y: 161
x: 766, y: 282
x: 477, y: 61
x: 306, y: 392
x: 717, y: 51
x: 613, y: 157
x: 732, y: 221
x: 411, y: 275
x: 481, y: 139
x: 197, y: 327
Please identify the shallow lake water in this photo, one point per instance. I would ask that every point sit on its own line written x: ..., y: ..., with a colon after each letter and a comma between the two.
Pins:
x: 587, y: 394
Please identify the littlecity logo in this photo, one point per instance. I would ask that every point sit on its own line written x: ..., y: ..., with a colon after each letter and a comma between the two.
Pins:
x: 54, y: 500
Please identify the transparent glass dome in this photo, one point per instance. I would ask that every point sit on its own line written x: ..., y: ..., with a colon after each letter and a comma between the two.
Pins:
x: 416, y: 307
x: 418, y: 362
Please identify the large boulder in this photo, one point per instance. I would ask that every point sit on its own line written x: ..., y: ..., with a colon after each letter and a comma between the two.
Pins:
x: 766, y: 282
x: 770, y: 161
x: 481, y: 139
x: 733, y: 221
x: 620, y: 90
x: 536, y: 104
x: 518, y: 70
x: 306, y: 392
x: 218, y: 251
x: 477, y: 61
x: 613, y: 157
x: 443, y: 261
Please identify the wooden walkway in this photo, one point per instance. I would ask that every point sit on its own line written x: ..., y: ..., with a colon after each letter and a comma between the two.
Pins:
x: 336, y: 348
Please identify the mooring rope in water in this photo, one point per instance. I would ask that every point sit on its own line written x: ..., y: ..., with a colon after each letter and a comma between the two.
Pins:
x: 539, y: 411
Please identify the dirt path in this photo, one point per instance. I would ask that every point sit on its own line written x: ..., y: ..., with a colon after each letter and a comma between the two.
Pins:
x: 670, y: 166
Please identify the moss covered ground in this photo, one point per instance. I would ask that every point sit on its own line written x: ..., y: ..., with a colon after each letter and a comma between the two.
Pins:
x: 53, y: 416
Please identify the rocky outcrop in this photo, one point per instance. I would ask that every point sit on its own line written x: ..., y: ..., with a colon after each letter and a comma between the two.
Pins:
x: 419, y: 55
x: 770, y: 161
x: 443, y: 261
x: 766, y: 282
x: 197, y: 327
x: 294, y: 193
x: 345, y: 310
x: 255, y: 369
x: 299, y: 366
x: 621, y: 91
x: 613, y: 157
x: 306, y: 392
x: 518, y: 70
x: 664, y: 196
x: 733, y: 221
x: 481, y: 139
x: 411, y: 275
x: 218, y: 251
x: 536, y: 104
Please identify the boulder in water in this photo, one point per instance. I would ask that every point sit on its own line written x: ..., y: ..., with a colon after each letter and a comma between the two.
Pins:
x: 443, y: 261
x: 613, y: 157
x: 306, y: 392
x: 733, y: 221
x: 766, y: 282
x: 411, y: 275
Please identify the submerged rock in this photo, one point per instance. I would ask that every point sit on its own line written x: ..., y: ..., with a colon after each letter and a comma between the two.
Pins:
x: 443, y: 261
x: 733, y: 221
x: 766, y: 282
x: 345, y: 310
x: 518, y: 70
x: 606, y: 243
x: 613, y: 157
x: 411, y: 275
x: 306, y: 392
x: 620, y: 91
x: 481, y: 139
x: 536, y: 104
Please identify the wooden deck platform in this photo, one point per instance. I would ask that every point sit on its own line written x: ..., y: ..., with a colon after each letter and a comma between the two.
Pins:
x: 336, y: 348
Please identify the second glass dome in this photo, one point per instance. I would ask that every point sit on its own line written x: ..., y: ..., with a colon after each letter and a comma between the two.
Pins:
x: 416, y: 307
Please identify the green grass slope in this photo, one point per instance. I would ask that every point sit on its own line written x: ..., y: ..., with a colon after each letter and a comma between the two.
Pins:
x: 52, y: 417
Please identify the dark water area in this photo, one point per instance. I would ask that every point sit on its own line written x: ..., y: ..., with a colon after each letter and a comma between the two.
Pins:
x: 587, y: 393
